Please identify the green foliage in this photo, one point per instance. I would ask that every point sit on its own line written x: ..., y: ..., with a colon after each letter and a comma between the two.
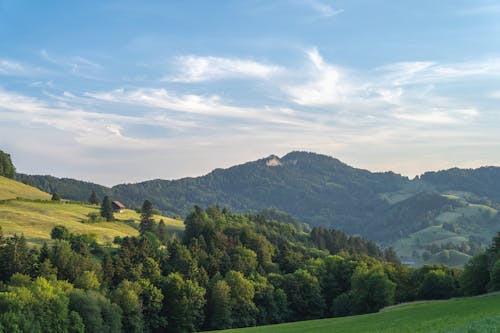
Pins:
x: 436, y: 285
x: 147, y: 223
x: 38, y: 306
x: 371, y: 290
x: 15, y: 257
x: 60, y: 232
x: 94, y: 199
x: 219, y: 306
x: 7, y: 169
x: 97, y: 312
x: 495, y: 276
x: 243, y: 309
x: 107, y: 209
x: 56, y: 197
x: 234, y: 270
x: 304, y: 296
x: 476, y: 277
x: 184, y: 304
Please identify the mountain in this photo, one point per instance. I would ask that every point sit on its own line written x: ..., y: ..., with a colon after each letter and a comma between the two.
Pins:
x: 437, y: 217
x: 317, y: 189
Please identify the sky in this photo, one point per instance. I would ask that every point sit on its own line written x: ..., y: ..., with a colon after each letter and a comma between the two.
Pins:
x: 125, y: 91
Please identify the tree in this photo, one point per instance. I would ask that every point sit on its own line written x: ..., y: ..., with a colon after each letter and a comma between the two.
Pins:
x: 126, y: 296
x: 219, y: 306
x: 372, y: 290
x: 304, y: 295
x: 147, y: 221
x: 56, y: 196
x: 183, y: 305
x: 243, y: 308
x: 93, y: 199
x: 495, y: 276
x: 162, y: 232
x: 7, y: 169
x: 107, y: 209
x: 476, y: 275
x: 436, y: 285
x: 97, y: 312
x: 60, y: 232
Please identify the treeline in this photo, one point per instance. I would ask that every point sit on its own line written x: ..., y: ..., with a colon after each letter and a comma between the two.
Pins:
x: 227, y: 270
x: 7, y: 169
x: 482, y: 272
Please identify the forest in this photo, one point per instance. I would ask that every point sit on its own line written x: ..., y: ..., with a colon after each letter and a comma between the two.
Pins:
x: 226, y: 270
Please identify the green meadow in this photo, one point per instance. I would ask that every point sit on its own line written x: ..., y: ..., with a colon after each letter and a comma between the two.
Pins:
x: 474, y: 314
x: 26, y: 210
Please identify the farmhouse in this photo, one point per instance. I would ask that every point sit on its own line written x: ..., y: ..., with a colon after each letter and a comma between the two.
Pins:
x: 118, y: 207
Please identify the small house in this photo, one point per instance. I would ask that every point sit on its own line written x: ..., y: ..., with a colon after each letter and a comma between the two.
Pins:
x: 118, y: 207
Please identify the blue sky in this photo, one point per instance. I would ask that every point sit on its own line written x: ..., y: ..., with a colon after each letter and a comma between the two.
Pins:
x: 124, y: 91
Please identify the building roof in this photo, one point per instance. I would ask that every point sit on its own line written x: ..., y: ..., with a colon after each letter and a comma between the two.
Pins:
x: 118, y: 204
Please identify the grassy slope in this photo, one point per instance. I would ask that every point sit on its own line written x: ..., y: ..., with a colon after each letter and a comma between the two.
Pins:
x: 10, y: 189
x: 35, y: 219
x: 471, y: 220
x: 475, y: 314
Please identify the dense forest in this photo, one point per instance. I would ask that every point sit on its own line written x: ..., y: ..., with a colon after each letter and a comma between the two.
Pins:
x: 227, y: 270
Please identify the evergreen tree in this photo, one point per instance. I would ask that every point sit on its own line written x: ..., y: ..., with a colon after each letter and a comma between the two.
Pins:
x: 147, y: 221
x: 93, y: 199
x: 7, y: 169
x: 162, y: 232
x: 56, y: 196
x: 107, y: 209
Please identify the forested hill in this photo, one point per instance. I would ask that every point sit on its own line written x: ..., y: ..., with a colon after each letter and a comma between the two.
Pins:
x: 315, y: 188
x: 484, y: 182
x: 444, y: 216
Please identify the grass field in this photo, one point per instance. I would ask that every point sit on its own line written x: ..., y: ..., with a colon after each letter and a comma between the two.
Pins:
x: 475, y: 314
x: 35, y: 216
x: 10, y: 189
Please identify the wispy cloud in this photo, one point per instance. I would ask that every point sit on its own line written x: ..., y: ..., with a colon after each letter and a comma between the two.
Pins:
x: 16, y: 68
x: 403, y: 73
x: 198, y: 69
x: 207, y: 106
x: 326, y: 85
x: 74, y: 65
x: 323, y: 9
x: 481, y: 9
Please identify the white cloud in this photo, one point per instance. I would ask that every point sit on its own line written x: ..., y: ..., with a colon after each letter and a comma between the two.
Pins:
x: 404, y: 73
x: 495, y: 94
x: 208, y: 106
x: 198, y: 69
x: 16, y: 68
x: 438, y: 116
x: 328, y: 86
x: 322, y: 8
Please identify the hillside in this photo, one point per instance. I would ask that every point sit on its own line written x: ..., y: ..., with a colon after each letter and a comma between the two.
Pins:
x: 424, y: 218
x: 29, y: 211
x: 10, y: 189
x: 317, y: 189
x: 476, y: 314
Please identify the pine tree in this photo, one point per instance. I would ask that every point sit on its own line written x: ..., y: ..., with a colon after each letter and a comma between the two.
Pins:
x: 56, y: 196
x: 93, y: 199
x: 147, y: 222
x: 107, y: 209
x: 162, y: 232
